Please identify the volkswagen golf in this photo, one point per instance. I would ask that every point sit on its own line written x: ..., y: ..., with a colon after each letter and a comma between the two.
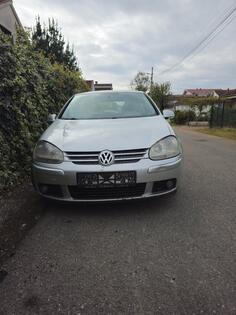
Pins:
x: 106, y: 146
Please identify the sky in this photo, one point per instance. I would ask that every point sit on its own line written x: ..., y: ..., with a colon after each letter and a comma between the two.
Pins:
x: 115, y: 39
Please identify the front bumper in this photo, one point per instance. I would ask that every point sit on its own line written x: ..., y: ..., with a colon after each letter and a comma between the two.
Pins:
x: 62, y: 178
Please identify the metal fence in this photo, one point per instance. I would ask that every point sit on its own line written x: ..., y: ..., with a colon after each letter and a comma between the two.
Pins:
x: 223, y: 115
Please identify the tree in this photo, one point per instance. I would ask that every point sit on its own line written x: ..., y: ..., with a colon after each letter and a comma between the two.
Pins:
x: 160, y: 94
x: 70, y: 58
x: 50, y: 41
x: 141, y: 82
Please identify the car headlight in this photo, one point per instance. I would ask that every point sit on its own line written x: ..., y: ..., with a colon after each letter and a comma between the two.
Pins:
x: 165, y: 149
x: 47, y: 153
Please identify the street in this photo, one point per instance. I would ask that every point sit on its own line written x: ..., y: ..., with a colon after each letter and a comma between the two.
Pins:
x: 171, y: 255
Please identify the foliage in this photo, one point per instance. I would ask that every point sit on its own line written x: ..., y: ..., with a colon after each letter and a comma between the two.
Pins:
x: 50, y: 41
x: 200, y: 100
x: 30, y: 87
x: 182, y: 117
x: 199, y: 103
x: 63, y: 84
x: 203, y: 117
x: 141, y: 82
x: 160, y: 94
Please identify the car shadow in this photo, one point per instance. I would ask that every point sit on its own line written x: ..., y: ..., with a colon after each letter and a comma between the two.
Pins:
x: 118, y: 208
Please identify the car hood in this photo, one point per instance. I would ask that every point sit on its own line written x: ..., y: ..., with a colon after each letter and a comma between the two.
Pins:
x: 110, y: 134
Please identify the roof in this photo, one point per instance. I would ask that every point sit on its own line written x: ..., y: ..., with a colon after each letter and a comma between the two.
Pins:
x: 226, y: 93
x: 200, y: 92
x: 211, y: 92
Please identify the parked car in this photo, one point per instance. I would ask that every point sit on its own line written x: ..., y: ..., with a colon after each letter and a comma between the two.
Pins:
x: 107, y: 146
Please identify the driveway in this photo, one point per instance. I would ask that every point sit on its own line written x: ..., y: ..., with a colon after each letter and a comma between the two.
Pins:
x: 172, y: 255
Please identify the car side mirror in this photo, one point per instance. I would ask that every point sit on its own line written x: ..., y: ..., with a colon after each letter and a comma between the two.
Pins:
x: 167, y: 113
x: 51, y: 118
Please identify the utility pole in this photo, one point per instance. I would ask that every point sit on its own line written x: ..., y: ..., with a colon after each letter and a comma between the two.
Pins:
x: 151, y: 77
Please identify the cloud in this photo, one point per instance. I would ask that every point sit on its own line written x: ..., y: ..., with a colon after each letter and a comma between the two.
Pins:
x: 115, y: 39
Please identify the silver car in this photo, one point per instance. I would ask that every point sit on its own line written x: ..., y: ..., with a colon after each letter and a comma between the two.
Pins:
x: 106, y: 146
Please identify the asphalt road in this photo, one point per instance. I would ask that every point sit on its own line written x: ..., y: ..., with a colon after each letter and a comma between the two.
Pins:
x: 172, y: 255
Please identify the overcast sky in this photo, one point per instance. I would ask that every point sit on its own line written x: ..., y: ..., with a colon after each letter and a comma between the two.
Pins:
x: 115, y: 39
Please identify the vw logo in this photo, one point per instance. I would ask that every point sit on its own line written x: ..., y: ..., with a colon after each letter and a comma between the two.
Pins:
x: 106, y: 158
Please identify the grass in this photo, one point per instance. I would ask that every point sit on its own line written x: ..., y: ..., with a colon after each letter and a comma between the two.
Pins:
x: 229, y: 133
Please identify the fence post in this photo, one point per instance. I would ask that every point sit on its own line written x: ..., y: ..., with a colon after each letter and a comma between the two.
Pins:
x: 211, y: 117
x: 217, y: 115
x: 222, y: 114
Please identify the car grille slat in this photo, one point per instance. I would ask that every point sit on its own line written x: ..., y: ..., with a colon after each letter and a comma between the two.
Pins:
x: 82, y: 156
x: 125, y: 156
x: 128, y: 153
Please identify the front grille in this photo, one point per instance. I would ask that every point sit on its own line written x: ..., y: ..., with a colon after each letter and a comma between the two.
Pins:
x: 107, y: 192
x: 122, y: 156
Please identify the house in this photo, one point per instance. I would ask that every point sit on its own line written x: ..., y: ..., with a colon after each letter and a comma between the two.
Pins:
x: 95, y: 86
x: 9, y: 20
x: 102, y: 86
x: 210, y: 92
x: 200, y: 92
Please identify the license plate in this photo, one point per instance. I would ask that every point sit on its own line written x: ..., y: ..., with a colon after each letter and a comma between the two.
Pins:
x: 106, y: 179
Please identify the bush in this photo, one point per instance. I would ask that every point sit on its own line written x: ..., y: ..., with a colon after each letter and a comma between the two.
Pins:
x: 203, y: 117
x: 30, y: 88
x: 182, y: 117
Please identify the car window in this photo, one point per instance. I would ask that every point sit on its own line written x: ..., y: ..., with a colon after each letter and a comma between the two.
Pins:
x: 109, y: 105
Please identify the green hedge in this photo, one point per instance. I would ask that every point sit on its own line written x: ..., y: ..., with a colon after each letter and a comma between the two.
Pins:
x: 30, y: 88
x: 182, y: 117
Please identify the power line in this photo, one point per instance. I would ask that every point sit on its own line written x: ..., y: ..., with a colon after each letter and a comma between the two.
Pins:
x: 217, y: 33
x: 207, y: 39
x: 217, y: 17
x: 203, y: 40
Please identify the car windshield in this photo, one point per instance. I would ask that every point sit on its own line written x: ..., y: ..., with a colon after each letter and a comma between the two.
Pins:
x: 109, y: 105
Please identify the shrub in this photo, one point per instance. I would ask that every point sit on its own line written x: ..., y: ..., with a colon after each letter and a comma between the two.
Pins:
x: 30, y: 88
x: 203, y: 117
x: 182, y: 117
